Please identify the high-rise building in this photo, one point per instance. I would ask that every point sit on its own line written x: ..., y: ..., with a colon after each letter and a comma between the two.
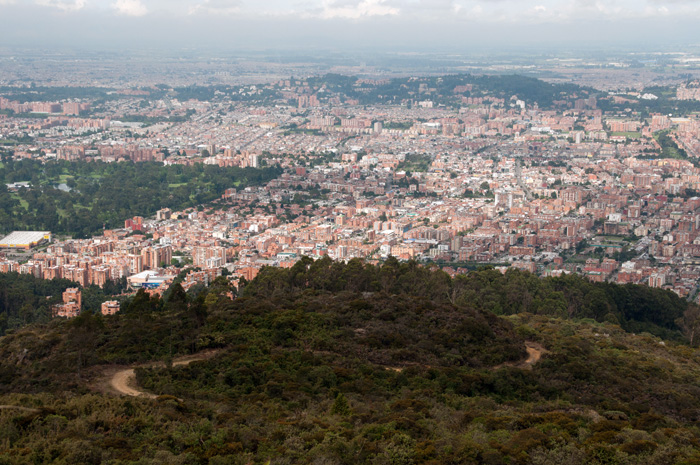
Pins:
x: 154, y: 257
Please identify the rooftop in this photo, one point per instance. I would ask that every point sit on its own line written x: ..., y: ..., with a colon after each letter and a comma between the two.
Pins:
x: 24, y: 238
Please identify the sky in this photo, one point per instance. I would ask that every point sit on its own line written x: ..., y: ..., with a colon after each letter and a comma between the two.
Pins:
x: 379, y: 25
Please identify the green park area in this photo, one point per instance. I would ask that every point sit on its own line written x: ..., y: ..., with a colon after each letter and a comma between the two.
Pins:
x: 106, y: 194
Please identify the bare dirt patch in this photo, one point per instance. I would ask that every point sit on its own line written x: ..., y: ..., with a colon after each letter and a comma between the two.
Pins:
x: 534, y: 354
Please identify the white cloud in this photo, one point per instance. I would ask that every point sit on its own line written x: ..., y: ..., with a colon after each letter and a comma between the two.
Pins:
x: 332, y: 9
x: 426, y: 11
x: 130, y: 7
x: 508, y: 11
x: 216, y: 7
x: 65, y: 6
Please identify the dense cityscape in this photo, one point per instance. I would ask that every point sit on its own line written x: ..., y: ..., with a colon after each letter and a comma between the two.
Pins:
x: 456, y: 171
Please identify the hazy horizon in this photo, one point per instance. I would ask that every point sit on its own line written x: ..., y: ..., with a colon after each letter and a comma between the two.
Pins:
x: 237, y: 26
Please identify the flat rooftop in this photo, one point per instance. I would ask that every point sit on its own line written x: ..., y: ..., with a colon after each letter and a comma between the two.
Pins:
x: 24, y: 238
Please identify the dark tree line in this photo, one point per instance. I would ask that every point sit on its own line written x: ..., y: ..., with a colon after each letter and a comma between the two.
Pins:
x: 636, y: 308
x: 25, y: 299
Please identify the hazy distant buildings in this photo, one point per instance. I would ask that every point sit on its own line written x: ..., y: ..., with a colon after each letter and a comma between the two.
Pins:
x: 689, y: 91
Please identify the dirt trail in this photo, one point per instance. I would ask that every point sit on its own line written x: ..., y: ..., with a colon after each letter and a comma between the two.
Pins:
x: 534, y: 354
x: 124, y: 381
x: 17, y: 407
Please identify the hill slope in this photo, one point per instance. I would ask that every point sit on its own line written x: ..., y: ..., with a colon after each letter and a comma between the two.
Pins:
x: 331, y: 363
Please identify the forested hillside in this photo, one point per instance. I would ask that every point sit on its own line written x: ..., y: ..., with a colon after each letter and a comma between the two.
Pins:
x: 329, y: 363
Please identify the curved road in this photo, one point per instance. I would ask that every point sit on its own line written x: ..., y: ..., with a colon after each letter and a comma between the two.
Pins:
x: 124, y: 381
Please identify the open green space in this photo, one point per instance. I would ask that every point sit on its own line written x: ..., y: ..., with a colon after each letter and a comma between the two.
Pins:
x: 629, y: 135
x: 22, y: 203
x: 415, y: 163
x: 611, y: 238
x: 106, y: 194
x: 669, y: 148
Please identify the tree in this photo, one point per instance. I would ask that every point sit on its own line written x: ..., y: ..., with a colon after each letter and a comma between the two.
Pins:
x: 83, y: 335
x: 689, y: 323
x: 198, y: 310
x: 177, y: 294
x: 341, y: 406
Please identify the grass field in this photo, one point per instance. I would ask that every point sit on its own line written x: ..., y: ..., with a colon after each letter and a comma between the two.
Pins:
x: 629, y: 135
x: 611, y: 238
x: 63, y: 178
x: 22, y: 202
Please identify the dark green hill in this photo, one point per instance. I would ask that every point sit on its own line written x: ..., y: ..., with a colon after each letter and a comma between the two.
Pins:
x: 351, y: 363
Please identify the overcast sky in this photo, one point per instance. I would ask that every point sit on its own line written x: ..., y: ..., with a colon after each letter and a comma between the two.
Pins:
x: 238, y: 25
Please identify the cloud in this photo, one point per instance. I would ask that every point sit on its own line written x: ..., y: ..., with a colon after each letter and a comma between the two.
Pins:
x: 130, y: 7
x: 431, y: 9
x: 352, y: 9
x: 61, y: 5
x: 216, y: 7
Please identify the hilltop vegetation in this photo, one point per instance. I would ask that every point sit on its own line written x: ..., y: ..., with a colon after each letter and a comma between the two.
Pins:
x: 636, y: 308
x: 352, y: 363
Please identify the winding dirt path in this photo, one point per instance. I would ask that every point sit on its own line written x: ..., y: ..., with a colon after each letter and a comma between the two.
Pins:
x: 123, y: 381
x: 534, y: 354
